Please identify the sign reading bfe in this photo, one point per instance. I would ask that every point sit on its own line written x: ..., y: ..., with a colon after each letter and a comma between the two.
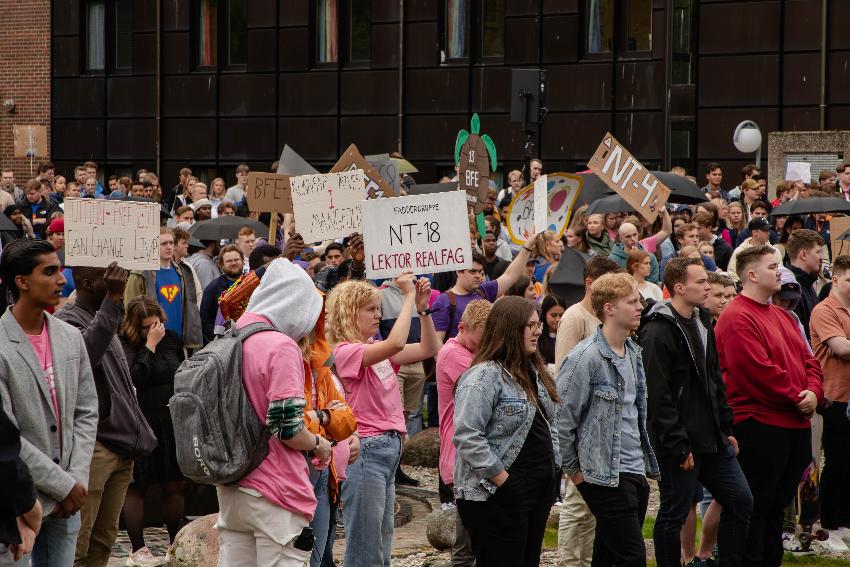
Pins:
x: 99, y: 232
x: 423, y: 233
x: 623, y: 173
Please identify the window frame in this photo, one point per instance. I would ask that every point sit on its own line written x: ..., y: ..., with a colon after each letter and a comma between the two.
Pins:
x: 115, y: 36
x: 86, y: 69
x: 445, y: 58
x: 316, y: 37
x: 608, y: 54
x: 346, y: 46
x: 226, y: 34
x: 221, y: 47
x: 691, y: 43
x: 482, y: 17
x: 624, y: 12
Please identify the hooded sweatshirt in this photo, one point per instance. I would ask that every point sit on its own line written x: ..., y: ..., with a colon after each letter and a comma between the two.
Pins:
x: 273, y: 370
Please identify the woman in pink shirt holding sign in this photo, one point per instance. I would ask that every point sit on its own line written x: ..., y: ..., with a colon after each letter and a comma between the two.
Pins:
x: 367, y: 369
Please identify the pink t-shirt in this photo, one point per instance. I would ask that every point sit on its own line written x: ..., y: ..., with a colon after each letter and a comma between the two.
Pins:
x: 41, y: 346
x: 371, y: 392
x: 452, y: 361
x: 650, y: 243
x: 341, y: 450
x: 275, y: 372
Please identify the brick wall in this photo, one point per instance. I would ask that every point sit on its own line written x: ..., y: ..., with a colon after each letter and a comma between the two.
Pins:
x: 24, y: 75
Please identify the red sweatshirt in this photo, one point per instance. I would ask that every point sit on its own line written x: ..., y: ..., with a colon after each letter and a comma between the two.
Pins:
x: 766, y: 363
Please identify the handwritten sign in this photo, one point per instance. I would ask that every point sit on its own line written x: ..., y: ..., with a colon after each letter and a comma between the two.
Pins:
x: 623, y: 173
x: 328, y: 206
x: 423, y: 233
x: 474, y: 172
x: 562, y: 191
x: 29, y: 141
x: 268, y: 193
x: 799, y: 171
x: 387, y: 169
x: 376, y: 186
x: 99, y: 232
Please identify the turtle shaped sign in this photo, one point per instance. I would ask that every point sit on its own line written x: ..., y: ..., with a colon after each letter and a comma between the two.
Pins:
x: 475, y: 156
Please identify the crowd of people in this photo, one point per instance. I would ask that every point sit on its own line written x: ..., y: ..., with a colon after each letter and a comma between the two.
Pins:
x: 709, y: 352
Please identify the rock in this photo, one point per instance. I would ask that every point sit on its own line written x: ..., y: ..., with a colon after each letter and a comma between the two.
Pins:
x: 440, y: 529
x: 196, y: 545
x: 437, y: 562
x: 423, y: 449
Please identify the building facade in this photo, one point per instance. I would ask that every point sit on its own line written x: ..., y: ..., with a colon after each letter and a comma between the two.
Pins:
x: 163, y: 84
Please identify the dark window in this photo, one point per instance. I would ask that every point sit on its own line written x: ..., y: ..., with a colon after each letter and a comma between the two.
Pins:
x: 237, y: 17
x: 207, y: 33
x: 682, y: 66
x: 639, y: 25
x: 360, y: 42
x: 683, y: 145
x: 95, y: 35
x: 493, y: 32
x: 327, y: 36
x: 123, y: 34
x: 600, y: 26
x: 457, y: 29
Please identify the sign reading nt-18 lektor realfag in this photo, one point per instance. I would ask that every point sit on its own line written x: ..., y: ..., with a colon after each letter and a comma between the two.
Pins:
x: 623, y: 173
x: 422, y: 233
x: 99, y: 232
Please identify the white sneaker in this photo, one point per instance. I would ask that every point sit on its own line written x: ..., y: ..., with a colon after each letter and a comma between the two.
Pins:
x: 143, y: 557
x: 843, y: 533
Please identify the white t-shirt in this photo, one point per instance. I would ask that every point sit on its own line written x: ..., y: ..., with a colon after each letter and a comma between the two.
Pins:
x: 649, y: 290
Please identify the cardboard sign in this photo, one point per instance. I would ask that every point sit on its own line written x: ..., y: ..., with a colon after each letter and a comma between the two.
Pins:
x: 541, y: 205
x: 799, y: 171
x: 30, y: 141
x: 388, y: 169
x: 562, y: 191
x: 838, y: 226
x: 623, y: 173
x: 328, y: 206
x: 376, y: 187
x: 474, y: 172
x: 268, y: 193
x: 423, y: 233
x: 290, y: 163
x: 100, y: 231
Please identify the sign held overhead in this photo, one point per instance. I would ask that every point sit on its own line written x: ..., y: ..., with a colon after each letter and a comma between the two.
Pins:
x: 268, y: 193
x: 376, y: 186
x: 100, y: 231
x: 623, y: 173
x: 328, y: 206
x: 423, y: 233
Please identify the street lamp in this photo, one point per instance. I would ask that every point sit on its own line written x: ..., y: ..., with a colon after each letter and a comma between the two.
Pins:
x: 747, y: 139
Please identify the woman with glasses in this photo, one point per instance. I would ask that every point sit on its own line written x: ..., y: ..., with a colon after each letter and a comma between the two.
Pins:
x: 506, y: 439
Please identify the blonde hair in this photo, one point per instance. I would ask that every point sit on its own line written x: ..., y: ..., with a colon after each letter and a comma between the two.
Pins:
x: 609, y: 288
x: 686, y: 251
x: 476, y: 313
x: 343, y: 303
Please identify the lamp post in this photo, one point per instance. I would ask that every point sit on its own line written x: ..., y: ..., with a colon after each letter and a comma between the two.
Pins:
x: 747, y: 139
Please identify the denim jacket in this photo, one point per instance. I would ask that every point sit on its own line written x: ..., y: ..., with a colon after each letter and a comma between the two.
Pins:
x: 492, y: 419
x: 590, y: 421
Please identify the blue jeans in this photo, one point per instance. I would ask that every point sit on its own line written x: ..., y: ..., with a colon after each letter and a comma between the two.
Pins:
x: 722, y: 475
x: 322, y: 518
x: 55, y: 544
x: 368, y: 496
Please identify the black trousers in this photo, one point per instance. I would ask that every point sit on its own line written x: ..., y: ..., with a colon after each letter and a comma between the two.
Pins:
x: 619, y: 511
x: 507, y: 529
x: 721, y: 474
x: 834, y: 487
x: 773, y: 460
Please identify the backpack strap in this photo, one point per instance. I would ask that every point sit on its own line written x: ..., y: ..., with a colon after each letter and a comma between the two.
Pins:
x: 249, y: 330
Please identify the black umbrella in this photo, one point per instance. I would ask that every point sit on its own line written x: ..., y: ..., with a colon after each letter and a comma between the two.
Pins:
x: 609, y: 204
x: 6, y: 225
x: 567, y: 281
x: 225, y: 228
x: 682, y: 190
x: 811, y: 206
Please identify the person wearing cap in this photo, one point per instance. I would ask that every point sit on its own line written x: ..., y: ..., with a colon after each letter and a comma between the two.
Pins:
x: 56, y: 236
x: 203, y: 261
x: 203, y: 209
x: 759, y: 235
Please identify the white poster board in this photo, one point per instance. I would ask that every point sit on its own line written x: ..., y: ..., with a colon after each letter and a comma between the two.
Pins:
x: 99, y: 232
x: 799, y: 171
x: 541, y: 205
x: 423, y: 233
x: 328, y: 206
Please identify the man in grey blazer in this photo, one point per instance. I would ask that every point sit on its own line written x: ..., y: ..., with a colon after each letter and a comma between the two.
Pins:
x: 47, y: 389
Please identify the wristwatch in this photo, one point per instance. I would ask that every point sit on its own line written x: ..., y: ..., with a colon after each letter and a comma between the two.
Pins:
x: 318, y: 440
x: 425, y: 313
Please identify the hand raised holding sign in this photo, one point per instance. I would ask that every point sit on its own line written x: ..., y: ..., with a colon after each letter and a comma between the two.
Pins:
x: 406, y: 282
x: 423, y: 294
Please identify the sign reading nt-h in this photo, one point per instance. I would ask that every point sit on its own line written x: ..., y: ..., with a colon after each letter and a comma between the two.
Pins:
x: 99, y: 232
x: 623, y: 173
x: 423, y: 233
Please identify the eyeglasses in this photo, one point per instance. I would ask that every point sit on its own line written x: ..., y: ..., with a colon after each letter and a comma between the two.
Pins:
x: 534, y: 326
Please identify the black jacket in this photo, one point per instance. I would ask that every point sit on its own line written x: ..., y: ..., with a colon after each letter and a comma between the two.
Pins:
x: 808, y: 297
x: 17, y: 493
x: 153, y: 373
x: 121, y: 427
x: 687, y: 409
x: 209, y: 305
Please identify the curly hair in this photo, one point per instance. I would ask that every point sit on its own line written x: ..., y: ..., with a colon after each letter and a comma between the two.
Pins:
x: 342, y: 305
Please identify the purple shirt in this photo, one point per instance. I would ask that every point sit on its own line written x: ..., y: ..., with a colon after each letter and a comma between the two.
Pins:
x: 487, y: 291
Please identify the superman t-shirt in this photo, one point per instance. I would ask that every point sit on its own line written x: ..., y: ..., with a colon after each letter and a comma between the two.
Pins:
x: 169, y: 294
